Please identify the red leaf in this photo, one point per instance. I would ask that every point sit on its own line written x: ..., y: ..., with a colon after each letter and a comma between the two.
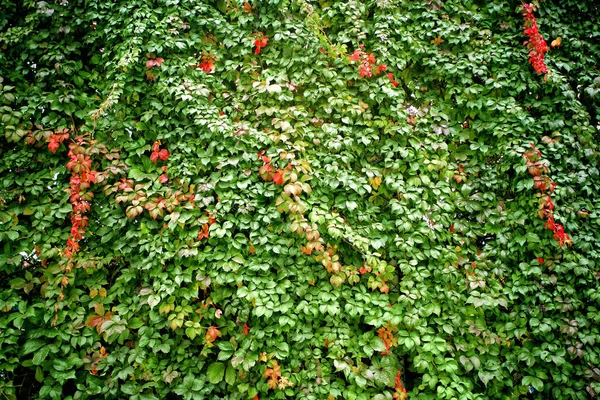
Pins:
x: 163, y: 154
x: 212, y: 333
x: 278, y: 177
x: 163, y: 178
x: 53, y: 146
x: 93, y: 320
x: 266, y: 172
x: 204, y: 233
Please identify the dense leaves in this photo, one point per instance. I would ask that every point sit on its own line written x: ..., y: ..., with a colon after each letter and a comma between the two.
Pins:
x: 294, y: 199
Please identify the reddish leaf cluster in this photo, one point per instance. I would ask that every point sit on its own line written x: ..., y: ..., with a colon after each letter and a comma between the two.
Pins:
x: 163, y: 178
x: 207, y: 63
x: 274, y: 378
x: 536, y: 43
x: 97, y: 356
x: 386, y: 333
x: 82, y: 176
x: 400, y: 393
x: 154, y: 62
x: 392, y: 80
x: 260, y: 43
x: 96, y: 321
x: 273, y: 375
x: 546, y: 186
x: 267, y: 172
x: 139, y: 199
x: 367, y: 63
x: 212, y: 334
x: 204, y: 232
x: 157, y: 152
x: 56, y: 139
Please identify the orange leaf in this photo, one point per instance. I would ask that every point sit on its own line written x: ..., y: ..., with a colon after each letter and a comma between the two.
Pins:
x: 93, y: 320
x: 212, y: 333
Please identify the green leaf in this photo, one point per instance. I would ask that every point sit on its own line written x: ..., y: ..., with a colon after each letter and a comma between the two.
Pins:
x: 32, y: 345
x: 215, y: 372
x: 41, y: 355
x: 230, y: 375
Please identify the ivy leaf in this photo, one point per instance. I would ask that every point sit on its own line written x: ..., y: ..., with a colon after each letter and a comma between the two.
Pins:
x: 230, y: 375
x: 215, y: 372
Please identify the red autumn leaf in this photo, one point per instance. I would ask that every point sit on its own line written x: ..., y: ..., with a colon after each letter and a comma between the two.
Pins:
x: 355, y: 56
x: 154, y: 63
x: 246, y: 329
x: 163, y: 178
x: 380, y: 68
x: 163, y: 154
x: 365, y: 70
x: 247, y: 7
x: 207, y: 64
x: 540, y: 260
x: 93, y: 320
x: 260, y: 43
x: 212, y: 333
x: 392, y: 80
x: 437, y: 40
x: 204, y: 233
x: 278, y: 177
x: 154, y: 156
x: 266, y: 172
x: 53, y: 146
x: 258, y: 46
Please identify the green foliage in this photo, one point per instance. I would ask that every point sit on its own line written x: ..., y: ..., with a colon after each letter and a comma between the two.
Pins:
x: 312, y: 232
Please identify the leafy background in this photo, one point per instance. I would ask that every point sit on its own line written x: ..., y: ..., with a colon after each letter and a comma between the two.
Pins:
x: 418, y: 194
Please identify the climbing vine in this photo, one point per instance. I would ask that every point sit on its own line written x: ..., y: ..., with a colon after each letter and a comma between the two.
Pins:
x: 299, y: 199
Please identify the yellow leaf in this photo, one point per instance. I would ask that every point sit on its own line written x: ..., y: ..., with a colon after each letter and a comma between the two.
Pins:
x: 102, y: 292
x: 556, y: 42
x: 437, y: 40
x: 375, y: 182
x: 93, y: 293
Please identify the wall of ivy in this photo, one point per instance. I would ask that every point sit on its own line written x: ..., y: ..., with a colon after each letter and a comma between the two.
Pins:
x: 299, y: 199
